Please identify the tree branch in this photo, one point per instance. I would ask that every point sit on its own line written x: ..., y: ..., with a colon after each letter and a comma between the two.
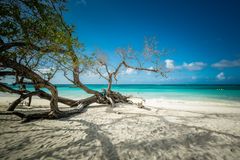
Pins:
x: 101, y: 75
x: 7, y: 73
x: 6, y: 46
x: 144, y: 69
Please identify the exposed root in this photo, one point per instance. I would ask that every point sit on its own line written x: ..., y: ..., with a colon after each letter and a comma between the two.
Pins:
x: 110, y: 98
x: 47, y: 114
x: 111, y: 101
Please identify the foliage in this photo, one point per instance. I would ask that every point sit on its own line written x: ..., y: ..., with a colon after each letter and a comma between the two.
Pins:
x: 36, y: 33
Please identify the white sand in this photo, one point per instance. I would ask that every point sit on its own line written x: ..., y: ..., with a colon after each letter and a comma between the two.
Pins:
x: 166, y: 129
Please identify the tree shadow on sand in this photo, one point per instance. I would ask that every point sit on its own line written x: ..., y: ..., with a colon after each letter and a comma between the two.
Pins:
x: 85, y: 139
x: 83, y: 147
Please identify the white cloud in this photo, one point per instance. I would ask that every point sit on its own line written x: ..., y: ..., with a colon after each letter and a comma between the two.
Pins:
x: 149, y: 73
x: 93, y: 75
x: 45, y: 70
x: 194, y: 66
x: 226, y: 63
x: 169, y: 64
x: 221, y: 76
x: 130, y: 71
x: 150, y: 67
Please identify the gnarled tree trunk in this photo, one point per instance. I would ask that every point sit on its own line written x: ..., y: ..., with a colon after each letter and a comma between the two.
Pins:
x: 20, y: 99
x: 39, y: 93
x: 38, y: 80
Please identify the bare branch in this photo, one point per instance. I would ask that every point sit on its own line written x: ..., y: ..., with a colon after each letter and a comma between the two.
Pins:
x: 101, y: 75
x: 155, y: 70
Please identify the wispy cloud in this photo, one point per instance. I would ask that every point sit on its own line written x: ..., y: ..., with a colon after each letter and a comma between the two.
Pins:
x: 221, y: 76
x: 45, y: 70
x: 194, y: 66
x: 149, y: 73
x: 129, y: 71
x: 227, y: 64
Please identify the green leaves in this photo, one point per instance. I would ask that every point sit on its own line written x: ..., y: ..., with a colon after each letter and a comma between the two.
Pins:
x: 48, y: 40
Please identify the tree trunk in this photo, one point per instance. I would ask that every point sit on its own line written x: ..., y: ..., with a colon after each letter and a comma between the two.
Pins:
x: 76, y: 81
x: 38, y: 80
x: 20, y: 99
x: 29, y: 101
x: 109, y: 83
x: 15, y: 104
x: 63, y: 100
x: 41, y: 94
x: 54, y: 98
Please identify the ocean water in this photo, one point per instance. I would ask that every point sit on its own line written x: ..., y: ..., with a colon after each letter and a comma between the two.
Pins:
x: 152, y: 91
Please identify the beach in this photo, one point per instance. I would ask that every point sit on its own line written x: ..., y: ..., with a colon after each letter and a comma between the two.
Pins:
x: 119, y: 80
x: 163, y: 129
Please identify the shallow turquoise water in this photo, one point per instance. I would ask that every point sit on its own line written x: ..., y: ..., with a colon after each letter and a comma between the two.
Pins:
x: 188, y: 92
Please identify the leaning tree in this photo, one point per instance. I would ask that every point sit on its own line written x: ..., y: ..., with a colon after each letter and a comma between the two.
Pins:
x: 75, y: 64
x: 149, y: 60
x: 32, y: 38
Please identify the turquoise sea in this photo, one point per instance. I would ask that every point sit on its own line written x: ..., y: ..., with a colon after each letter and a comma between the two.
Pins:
x: 183, y: 92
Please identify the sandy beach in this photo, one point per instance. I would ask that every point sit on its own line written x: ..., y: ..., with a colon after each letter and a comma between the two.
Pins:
x: 119, y: 80
x: 165, y: 129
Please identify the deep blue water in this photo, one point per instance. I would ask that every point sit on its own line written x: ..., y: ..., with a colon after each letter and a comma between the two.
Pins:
x: 193, y: 92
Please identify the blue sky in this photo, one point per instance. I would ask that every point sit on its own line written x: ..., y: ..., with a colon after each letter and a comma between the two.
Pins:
x: 204, y: 35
